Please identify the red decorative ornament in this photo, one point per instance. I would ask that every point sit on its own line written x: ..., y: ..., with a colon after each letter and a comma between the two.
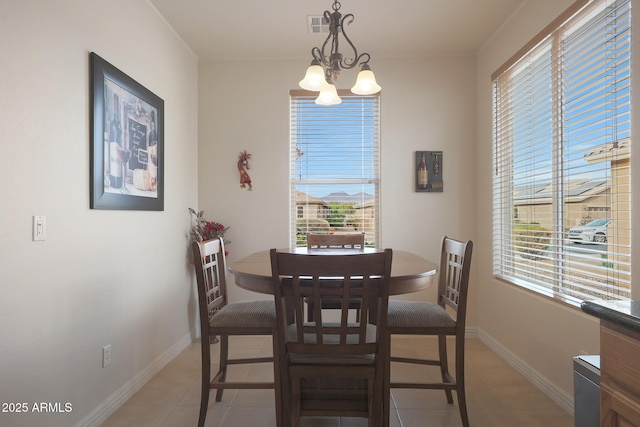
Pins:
x: 243, y: 165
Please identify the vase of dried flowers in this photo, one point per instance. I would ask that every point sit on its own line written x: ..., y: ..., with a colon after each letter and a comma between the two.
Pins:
x: 204, y: 229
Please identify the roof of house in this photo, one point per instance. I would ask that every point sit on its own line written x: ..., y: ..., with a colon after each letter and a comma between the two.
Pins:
x: 617, y: 150
x: 304, y: 198
x: 574, y: 191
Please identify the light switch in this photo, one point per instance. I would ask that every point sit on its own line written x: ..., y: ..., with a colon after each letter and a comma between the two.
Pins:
x: 39, y: 227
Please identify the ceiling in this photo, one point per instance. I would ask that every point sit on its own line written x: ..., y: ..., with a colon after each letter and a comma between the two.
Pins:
x: 278, y: 29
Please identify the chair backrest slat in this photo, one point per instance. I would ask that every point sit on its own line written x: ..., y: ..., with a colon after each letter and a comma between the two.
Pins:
x: 317, y: 276
x: 210, y: 266
x: 453, y: 283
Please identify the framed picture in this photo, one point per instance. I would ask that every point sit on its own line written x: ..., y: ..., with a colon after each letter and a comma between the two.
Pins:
x: 127, y: 141
x: 428, y: 167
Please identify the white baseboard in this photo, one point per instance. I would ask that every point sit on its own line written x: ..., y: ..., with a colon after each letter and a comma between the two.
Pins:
x: 120, y: 396
x: 471, y: 332
x: 558, y: 395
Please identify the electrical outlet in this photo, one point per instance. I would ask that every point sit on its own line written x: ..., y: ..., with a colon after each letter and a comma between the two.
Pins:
x: 106, y: 356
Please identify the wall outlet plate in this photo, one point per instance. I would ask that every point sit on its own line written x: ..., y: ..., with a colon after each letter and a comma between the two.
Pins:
x: 39, y: 227
x: 106, y: 356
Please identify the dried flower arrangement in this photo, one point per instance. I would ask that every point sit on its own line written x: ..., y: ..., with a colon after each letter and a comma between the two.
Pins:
x: 207, y: 230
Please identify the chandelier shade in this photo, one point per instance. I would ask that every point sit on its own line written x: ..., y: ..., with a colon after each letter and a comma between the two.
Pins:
x: 314, y: 80
x: 328, y: 96
x: 328, y: 62
x: 366, y: 82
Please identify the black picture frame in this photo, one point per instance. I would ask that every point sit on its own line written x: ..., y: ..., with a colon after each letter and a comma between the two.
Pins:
x: 127, y: 141
x: 433, y: 162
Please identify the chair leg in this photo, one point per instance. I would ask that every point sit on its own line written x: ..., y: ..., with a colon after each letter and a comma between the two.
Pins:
x: 296, y: 396
x: 386, y: 386
x: 206, y: 380
x: 204, y: 403
x: 462, y: 403
x: 287, y: 403
x: 444, y: 364
x: 376, y: 411
x: 277, y: 381
x: 224, y: 356
x: 460, y: 386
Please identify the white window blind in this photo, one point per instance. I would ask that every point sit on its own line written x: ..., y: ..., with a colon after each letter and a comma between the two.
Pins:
x: 335, y: 166
x: 561, y: 193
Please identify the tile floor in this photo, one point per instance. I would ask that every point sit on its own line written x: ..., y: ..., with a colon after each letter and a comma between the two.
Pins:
x: 497, y: 395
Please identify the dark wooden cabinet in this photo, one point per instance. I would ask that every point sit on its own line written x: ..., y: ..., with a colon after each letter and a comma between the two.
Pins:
x: 620, y: 375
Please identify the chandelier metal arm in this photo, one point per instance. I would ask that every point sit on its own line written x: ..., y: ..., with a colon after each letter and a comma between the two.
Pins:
x: 328, y: 63
x: 335, y: 62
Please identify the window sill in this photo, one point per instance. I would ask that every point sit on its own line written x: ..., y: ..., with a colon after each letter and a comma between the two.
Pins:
x: 543, y: 292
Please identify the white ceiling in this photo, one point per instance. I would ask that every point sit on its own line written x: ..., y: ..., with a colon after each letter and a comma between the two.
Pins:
x: 277, y: 29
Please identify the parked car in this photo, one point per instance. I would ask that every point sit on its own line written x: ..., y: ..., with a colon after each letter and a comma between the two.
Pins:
x: 592, y: 232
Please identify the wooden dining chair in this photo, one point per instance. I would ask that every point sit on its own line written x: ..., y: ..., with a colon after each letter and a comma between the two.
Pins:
x: 220, y: 318
x: 425, y: 318
x: 334, y: 242
x: 332, y: 368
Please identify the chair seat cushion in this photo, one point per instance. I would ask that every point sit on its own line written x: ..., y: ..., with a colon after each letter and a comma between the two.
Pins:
x: 414, y: 314
x: 246, y: 314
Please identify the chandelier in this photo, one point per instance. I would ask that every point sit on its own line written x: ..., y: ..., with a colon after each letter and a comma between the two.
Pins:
x: 328, y: 63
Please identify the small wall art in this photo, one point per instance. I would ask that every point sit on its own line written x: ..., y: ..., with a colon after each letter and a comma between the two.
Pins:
x: 127, y: 141
x: 243, y: 165
x: 428, y: 168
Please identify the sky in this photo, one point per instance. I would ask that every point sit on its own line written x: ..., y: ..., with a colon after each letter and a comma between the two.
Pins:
x: 336, y: 146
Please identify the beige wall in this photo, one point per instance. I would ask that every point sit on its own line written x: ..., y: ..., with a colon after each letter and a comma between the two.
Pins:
x: 101, y: 277
x: 543, y: 334
x: 426, y: 104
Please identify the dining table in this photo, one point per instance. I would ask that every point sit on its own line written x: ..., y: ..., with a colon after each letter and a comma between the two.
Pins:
x: 409, y: 273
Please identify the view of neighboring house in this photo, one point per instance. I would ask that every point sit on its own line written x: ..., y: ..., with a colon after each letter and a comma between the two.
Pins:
x: 361, y: 220
x: 618, y: 153
x: 585, y: 199
x: 309, y: 207
x: 364, y: 217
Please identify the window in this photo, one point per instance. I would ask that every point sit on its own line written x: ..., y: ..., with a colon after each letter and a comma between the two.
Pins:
x: 335, y: 166
x: 561, y: 192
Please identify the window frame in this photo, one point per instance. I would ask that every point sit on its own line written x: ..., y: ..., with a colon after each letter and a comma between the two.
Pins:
x: 505, y: 208
x: 370, y: 161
